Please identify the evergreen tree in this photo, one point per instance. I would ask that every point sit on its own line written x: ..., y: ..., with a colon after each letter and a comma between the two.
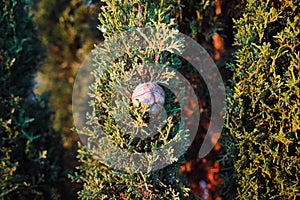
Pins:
x: 30, y: 150
x: 262, y: 124
x: 101, y: 181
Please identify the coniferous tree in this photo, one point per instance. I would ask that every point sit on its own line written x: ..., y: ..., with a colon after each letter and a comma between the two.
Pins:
x: 30, y: 150
x: 262, y: 124
x: 101, y: 181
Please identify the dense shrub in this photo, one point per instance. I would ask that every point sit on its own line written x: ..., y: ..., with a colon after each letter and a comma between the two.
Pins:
x: 29, y: 148
x: 261, y: 136
x: 101, y: 181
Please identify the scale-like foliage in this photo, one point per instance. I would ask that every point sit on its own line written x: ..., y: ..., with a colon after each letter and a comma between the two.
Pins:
x: 262, y: 124
x: 29, y: 148
x: 115, y: 78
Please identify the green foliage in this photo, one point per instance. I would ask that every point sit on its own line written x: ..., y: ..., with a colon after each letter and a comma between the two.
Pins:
x: 262, y: 124
x: 119, y: 16
x: 99, y: 180
x: 29, y: 148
